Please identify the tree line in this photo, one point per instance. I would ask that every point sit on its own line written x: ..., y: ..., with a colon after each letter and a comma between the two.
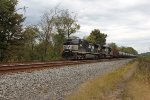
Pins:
x: 38, y: 42
x: 33, y: 42
x: 130, y: 50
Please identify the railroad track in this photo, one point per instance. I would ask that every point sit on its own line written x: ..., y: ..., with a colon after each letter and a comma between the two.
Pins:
x: 19, y: 67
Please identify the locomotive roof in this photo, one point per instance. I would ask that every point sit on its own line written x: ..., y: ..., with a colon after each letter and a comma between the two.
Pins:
x: 106, y: 46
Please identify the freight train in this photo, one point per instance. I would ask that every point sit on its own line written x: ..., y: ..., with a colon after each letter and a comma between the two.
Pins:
x: 82, y: 49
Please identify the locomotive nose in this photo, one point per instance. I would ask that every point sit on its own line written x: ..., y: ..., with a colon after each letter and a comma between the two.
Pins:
x: 69, y: 47
x: 67, y: 54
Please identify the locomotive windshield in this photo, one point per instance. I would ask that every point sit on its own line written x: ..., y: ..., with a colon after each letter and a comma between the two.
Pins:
x: 72, y: 42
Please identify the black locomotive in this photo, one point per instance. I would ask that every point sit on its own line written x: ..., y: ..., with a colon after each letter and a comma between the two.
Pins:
x: 82, y: 49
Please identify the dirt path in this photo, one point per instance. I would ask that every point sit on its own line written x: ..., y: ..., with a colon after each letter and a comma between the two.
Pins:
x: 119, y: 92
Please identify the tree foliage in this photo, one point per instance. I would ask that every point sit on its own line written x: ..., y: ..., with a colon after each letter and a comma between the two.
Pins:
x: 47, y: 26
x: 66, y: 23
x: 30, y: 38
x: 10, y: 30
x: 128, y: 50
x: 113, y: 46
x: 58, y: 40
x: 97, y: 37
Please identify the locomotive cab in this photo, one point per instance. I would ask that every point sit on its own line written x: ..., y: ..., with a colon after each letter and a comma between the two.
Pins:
x: 107, y: 51
x: 70, y: 47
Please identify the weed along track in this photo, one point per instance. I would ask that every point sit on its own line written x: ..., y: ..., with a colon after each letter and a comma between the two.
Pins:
x: 16, y: 67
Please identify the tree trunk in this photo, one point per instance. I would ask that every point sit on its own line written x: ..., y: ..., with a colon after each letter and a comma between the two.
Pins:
x: 1, y: 55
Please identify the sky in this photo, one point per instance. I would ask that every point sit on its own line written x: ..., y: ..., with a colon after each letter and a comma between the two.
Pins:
x: 126, y: 22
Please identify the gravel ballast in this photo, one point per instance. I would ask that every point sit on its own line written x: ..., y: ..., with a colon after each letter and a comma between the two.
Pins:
x: 52, y: 84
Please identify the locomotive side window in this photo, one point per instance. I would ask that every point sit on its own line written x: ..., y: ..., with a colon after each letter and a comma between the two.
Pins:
x: 75, y: 41
x: 72, y: 42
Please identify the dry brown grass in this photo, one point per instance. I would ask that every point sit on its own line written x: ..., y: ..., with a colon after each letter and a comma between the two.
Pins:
x: 137, y: 90
x: 139, y: 87
x: 99, y: 88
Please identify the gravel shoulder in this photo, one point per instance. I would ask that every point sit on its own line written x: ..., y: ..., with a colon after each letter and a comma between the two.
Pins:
x: 52, y: 84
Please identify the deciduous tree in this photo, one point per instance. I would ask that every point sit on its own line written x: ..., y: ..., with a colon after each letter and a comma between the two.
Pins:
x: 10, y: 29
x: 97, y: 37
x: 47, y: 27
x: 66, y: 23
x: 31, y: 40
x: 113, y: 46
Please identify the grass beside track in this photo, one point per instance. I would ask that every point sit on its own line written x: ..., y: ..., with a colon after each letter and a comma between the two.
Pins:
x: 99, y: 88
x: 139, y: 87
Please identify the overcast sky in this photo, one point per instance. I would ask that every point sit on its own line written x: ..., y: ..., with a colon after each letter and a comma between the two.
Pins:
x: 126, y: 22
